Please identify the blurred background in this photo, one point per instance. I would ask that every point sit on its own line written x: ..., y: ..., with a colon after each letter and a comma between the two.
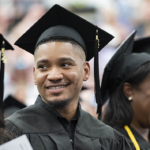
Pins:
x: 118, y: 17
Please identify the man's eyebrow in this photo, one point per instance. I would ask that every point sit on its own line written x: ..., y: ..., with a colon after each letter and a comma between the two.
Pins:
x: 42, y: 61
x: 60, y: 59
x: 66, y: 59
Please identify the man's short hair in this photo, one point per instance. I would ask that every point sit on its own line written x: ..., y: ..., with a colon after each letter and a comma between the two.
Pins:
x: 59, y: 39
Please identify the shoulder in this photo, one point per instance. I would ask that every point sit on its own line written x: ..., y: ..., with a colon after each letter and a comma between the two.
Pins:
x: 121, y: 130
x: 27, y: 120
x: 95, y: 127
x: 15, y: 123
x: 100, y: 133
x: 20, y: 116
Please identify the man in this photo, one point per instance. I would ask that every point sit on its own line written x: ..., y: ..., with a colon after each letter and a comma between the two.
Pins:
x: 62, y: 44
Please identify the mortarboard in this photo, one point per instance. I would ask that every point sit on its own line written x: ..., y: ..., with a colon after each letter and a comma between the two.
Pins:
x: 4, y: 45
x: 142, y: 45
x: 121, y: 66
x: 61, y: 22
x: 11, y: 105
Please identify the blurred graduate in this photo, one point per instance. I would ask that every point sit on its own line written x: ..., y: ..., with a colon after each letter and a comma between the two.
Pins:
x: 62, y: 44
x: 126, y: 88
x: 4, y: 45
x: 11, y: 105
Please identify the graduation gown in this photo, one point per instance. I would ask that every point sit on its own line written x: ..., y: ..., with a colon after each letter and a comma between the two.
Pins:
x: 143, y: 144
x: 45, y: 132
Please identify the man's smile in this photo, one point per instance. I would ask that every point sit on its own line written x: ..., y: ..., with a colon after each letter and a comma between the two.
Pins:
x: 56, y: 88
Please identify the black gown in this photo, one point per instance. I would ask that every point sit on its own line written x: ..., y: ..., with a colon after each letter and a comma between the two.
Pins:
x: 45, y: 132
x: 143, y: 144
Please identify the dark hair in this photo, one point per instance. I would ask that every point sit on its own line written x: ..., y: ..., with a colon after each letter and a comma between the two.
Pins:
x: 118, y: 111
x: 59, y: 39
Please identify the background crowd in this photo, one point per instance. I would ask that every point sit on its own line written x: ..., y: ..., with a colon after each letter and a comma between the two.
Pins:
x: 117, y: 17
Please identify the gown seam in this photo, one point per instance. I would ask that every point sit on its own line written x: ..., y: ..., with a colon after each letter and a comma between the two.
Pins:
x: 16, y: 129
x: 14, y: 125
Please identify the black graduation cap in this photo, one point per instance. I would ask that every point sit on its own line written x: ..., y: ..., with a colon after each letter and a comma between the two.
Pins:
x: 121, y: 66
x: 11, y: 105
x: 4, y: 45
x: 61, y: 22
x: 142, y: 45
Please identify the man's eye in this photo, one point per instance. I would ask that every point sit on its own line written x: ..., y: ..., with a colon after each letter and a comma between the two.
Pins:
x: 42, y: 67
x: 65, y: 65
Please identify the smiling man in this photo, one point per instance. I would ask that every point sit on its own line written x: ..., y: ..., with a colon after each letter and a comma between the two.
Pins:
x: 58, y: 75
x: 62, y: 44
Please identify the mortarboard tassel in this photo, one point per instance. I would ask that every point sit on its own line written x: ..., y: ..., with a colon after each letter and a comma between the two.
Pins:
x: 3, y: 52
x: 3, y: 60
x: 96, y: 74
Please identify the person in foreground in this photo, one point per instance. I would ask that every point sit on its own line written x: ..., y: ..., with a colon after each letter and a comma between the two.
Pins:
x: 4, y: 45
x: 126, y: 84
x: 62, y: 44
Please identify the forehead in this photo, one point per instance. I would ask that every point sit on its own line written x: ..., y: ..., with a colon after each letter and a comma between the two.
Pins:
x: 145, y: 84
x: 146, y: 80
x: 54, y: 49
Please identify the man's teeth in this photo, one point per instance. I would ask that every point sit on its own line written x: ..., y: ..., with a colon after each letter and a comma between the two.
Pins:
x: 57, y: 87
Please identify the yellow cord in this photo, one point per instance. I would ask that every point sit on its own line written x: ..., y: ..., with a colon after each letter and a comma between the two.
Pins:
x: 4, y: 59
x: 136, y: 145
x: 97, y: 39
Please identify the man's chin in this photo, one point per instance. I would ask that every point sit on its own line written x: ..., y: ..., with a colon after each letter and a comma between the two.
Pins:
x: 58, y: 103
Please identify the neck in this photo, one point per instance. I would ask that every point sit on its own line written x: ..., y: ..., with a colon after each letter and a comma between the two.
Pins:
x: 69, y: 111
x: 144, y: 132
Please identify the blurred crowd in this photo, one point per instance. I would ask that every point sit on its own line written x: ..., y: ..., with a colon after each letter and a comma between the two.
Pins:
x: 117, y: 17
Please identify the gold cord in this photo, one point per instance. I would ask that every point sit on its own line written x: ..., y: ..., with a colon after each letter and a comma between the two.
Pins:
x: 136, y: 145
x: 97, y: 38
x: 4, y: 59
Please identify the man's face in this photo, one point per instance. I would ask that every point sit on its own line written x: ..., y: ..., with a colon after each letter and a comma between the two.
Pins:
x: 60, y: 68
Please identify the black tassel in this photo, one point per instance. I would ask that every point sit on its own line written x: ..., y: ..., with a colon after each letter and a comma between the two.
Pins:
x: 96, y: 74
x: 1, y: 83
x: 3, y: 60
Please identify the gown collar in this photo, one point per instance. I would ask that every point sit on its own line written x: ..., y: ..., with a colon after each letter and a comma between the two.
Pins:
x: 140, y: 139
x: 56, y: 114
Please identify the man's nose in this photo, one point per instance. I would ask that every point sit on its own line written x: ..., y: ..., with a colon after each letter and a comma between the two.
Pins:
x: 55, y: 74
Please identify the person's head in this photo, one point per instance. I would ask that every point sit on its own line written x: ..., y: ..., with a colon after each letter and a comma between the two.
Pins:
x: 60, y: 68
x: 66, y: 61
x: 131, y: 100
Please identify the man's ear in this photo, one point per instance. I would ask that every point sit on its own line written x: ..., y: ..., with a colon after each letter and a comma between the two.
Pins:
x: 86, y: 71
x: 34, y: 75
x: 128, y: 90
